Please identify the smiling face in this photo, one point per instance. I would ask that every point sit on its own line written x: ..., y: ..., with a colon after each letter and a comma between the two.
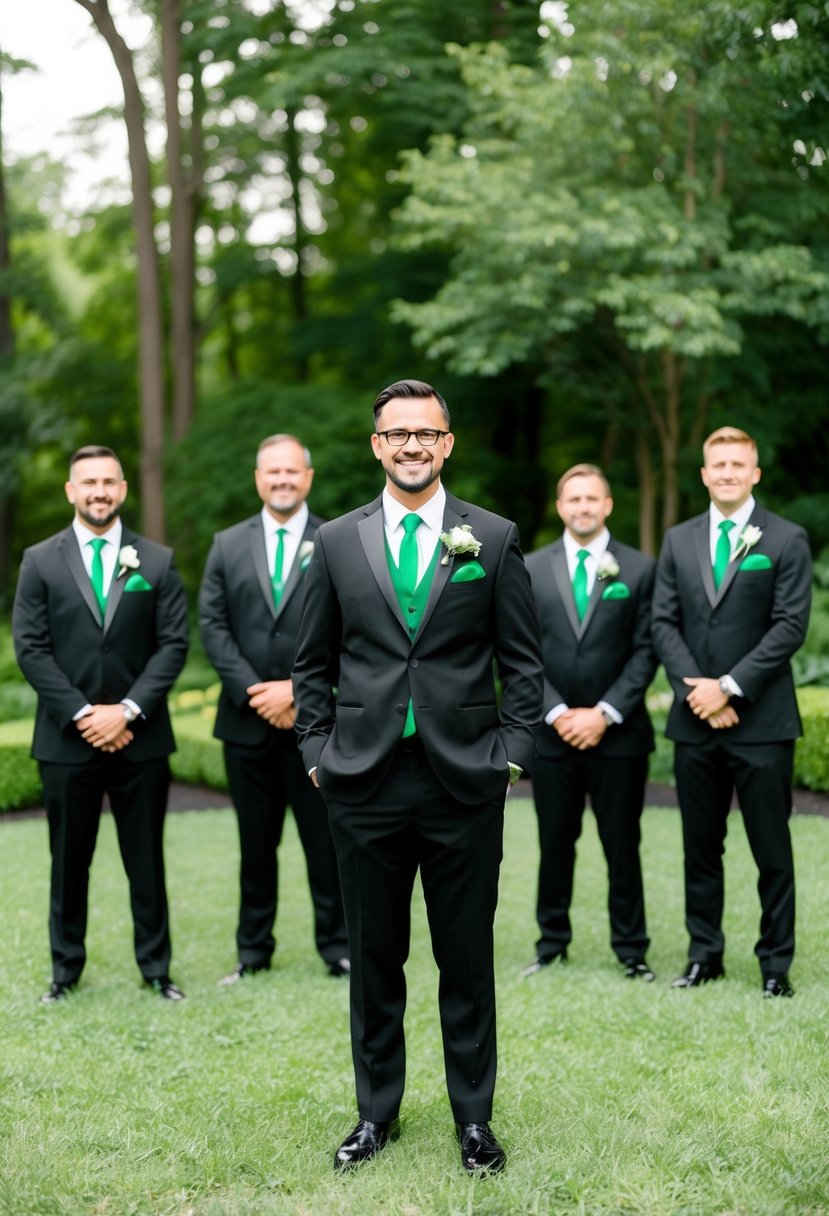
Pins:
x: 413, y: 470
x: 96, y: 488
x: 583, y: 506
x: 730, y: 473
x: 283, y: 478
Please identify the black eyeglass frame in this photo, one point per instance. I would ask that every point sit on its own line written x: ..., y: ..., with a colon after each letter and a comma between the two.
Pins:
x: 426, y: 430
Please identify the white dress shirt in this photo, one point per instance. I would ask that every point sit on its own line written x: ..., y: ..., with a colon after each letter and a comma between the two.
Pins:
x: 294, y: 529
x: 427, y: 534
x: 740, y: 518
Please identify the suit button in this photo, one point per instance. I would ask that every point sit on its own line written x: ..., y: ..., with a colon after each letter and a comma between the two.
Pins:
x: 413, y: 662
x: 401, y: 709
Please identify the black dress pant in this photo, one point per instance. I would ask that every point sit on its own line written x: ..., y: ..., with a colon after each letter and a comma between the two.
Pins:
x: 264, y: 780
x: 706, y: 777
x: 73, y: 796
x: 616, y: 785
x: 413, y: 822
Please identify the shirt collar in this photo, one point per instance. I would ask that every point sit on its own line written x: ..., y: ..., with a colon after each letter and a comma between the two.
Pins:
x: 85, y: 535
x: 596, y: 547
x: 295, y: 525
x: 430, y: 512
x: 740, y: 517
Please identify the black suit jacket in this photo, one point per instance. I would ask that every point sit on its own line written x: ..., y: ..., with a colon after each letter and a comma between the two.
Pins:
x: 353, y: 634
x: 608, y: 656
x: 246, y: 639
x: 749, y: 628
x: 71, y: 661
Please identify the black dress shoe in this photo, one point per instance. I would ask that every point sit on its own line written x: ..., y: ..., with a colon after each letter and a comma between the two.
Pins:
x: 241, y: 971
x: 164, y: 986
x: 480, y: 1151
x: 638, y: 969
x: 57, y: 991
x: 776, y: 983
x: 538, y: 964
x: 699, y: 973
x: 339, y: 967
x: 365, y: 1142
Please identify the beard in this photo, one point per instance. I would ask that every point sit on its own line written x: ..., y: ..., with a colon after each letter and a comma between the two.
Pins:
x: 99, y: 521
x: 426, y: 479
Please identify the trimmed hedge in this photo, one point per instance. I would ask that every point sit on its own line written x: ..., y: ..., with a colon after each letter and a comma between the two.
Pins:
x: 199, y: 760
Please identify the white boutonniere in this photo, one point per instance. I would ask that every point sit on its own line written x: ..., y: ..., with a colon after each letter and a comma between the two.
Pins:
x: 607, y: 566
x: 748, y: 538
x: 128, y: 560
x: 305, y: 553
x: 459, y: 540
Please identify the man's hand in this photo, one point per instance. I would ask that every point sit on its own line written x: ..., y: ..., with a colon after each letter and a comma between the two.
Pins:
x: 581, y: 728
x: 724, y: 719
x: 117, y: 745
x: 103, y: 726
x: 706, y: 698
x: 273, y: 700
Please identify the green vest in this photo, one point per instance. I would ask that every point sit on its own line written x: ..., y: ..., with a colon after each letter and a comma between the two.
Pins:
x: 412, y: 608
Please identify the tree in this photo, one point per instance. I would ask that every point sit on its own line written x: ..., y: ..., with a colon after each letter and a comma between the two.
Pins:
x: 614, y: 216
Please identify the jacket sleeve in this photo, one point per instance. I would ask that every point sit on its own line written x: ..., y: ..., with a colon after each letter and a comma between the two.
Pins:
x: 221, y: 647
x: 316, y: 665
x: 628, y: 689
x: 666, y: 623
x: 33, y: 646
x: 517, y: 655
x: 171, y: 641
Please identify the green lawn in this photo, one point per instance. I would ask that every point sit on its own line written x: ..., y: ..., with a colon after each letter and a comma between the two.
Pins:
x: 613, y: 1097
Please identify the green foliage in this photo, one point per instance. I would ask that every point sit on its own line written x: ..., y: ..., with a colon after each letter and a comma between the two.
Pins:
x: 811, y: 765
x: 19, y: 778
x: 612, y: 1097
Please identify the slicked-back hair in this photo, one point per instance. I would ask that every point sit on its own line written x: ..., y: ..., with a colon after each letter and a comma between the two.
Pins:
x: 728, y: 434
x: 413, y: 389
x: 582, y: 470
x: 274, y: 439
x: 93, y: 451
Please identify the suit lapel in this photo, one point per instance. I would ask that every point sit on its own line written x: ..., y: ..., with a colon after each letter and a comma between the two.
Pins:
x: 758, y: 519
x: 259, y: 556
x: 116, y: 587
x: 68, y: 547
x: 453, y: 516
x: 295, y: 573
x: 595, y: 595
x: 561, y: 574
x: 373, y: 539
x: 702, y: 547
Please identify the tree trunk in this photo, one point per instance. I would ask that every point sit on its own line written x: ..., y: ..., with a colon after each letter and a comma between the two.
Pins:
x: 150, y: 329
x: 6, y: 330
x: 182, y: 211
x: 299, y: 299
x: 647, y: 493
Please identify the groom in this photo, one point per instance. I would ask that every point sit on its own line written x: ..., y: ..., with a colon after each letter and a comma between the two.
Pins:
x: 415, y: 755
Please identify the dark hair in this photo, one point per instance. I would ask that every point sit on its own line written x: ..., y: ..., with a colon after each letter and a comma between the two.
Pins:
x: 284, y: 438
x: 582, y: 470
x: 414, y: 389
x: 92, y: 451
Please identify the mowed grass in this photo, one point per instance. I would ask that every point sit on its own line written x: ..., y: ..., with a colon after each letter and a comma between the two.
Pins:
x: 613, y: 1097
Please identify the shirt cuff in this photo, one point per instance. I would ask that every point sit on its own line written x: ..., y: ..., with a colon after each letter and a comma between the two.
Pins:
x: 87, y: 709
x: 136, y: 709
x: 556, y: 712
x: 608, y: 709
x: 732, y: 686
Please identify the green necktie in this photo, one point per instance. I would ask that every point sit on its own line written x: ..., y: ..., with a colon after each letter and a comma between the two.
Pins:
x: 408, y: 554
x: 580, y: 583
x: 722, y: 553
x: 97, y: 574
x: 278, y: 563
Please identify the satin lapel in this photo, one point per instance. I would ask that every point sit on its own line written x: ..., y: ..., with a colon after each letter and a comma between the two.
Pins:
x: 561, y: 575
x: 373, y: 540
x: 68, y: 547
x: 757, y: 515
x: 451, y: 519
x: 703, y: 551
x: 259, y: 555
x: 595, y: 595
x: 116, y: 587
x: 294, y: 574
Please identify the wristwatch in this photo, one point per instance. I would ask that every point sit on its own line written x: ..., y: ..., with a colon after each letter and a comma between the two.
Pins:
x: 608, y: 719
x: 724, y: 686
x: 129, y: 713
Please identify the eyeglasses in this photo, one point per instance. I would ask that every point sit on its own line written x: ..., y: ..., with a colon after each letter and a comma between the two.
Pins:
x: 426, y: 439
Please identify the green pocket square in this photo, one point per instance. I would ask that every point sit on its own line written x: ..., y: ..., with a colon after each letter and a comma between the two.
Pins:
x: 616, y: 591
x: 755, y: 561
x: 468, y: 573
x: 137, y: 582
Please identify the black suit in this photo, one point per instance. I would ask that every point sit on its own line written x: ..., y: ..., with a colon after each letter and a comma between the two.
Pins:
x: 606, y: 657
x: 434, y: 802
x: 249, y: 641
x: 71, y: 661
x: 748, y: 629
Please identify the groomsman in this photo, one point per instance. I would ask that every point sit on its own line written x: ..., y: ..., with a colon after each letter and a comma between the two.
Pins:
x: 250, y: 601
x: 100, y: 631
x: 730, y: 608
x: 411, y: 601
x: 593, y: 596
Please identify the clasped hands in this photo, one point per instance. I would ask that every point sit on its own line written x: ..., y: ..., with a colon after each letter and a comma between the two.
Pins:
x: 105, y: 728
x: 582, y: 728
x: 710, y: 704
x: 273, y: 700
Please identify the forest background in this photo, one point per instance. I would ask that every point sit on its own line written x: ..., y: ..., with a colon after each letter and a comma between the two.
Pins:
x: 601, y: 229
